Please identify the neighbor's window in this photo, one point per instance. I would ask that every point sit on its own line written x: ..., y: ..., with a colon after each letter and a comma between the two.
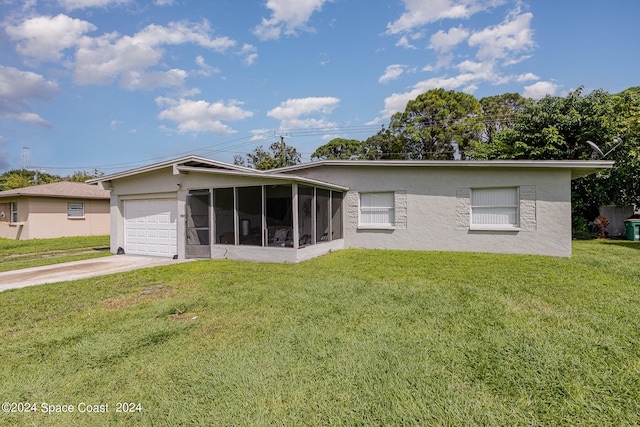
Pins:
x: 377, y: 209
x: 494, y: 208
x: 14, y: 212
x: 75, y: 210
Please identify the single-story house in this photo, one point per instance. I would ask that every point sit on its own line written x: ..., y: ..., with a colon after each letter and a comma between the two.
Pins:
x: 193, y: 207
x: 59, y: 209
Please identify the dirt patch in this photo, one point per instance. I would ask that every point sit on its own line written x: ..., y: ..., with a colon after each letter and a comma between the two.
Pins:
x: 149, y: 293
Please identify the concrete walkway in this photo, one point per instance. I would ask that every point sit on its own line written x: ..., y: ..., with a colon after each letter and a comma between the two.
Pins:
x: 79, y: 270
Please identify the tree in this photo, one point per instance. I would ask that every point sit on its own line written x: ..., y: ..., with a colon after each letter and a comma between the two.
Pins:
x: 339, y: 148
x: 83, y: 176
x: 384, y: 145
x: 499, y: 113
x: 439, y: 125
x: 19, y: 178
x: 279, y: 155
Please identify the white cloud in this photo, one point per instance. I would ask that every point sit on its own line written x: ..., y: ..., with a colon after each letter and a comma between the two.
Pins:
x: 540, y: 90
x: 291, y: 112
x: 201, y: 116
x: 392, y: 72
x: 205, y: 69
x: 512, y: 36
x: 104, y: 59
x: 45, y: 37
x: 148, y: 80
x: 445, y: 41
x: 420, y: 12
x: 404, y: 42
x: 17, y: 88
x: 30, y: 118
x: 250, y: 53
x: 527, y: 77
x: 83, y: 4
x: 287, y: 16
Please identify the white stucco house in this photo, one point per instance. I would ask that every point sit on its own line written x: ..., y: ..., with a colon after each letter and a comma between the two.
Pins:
x: 193, y: 207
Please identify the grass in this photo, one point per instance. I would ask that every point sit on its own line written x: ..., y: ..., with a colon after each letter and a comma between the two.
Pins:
x: 358, y: 337
x: 17, y: 254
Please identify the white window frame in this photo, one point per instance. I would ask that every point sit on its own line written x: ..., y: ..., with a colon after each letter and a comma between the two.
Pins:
x: 364, y: 210
x: 13, y: 216
x: 500, y: 208
x: 72, y: 211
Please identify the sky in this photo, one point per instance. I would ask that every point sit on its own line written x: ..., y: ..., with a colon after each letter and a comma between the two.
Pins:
x: 117, y: 84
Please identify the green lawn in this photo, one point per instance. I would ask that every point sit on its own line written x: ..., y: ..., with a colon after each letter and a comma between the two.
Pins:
x: 17, y: 254
x: 357, y: 337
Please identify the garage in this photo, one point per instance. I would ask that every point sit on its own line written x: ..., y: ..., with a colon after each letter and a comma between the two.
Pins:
x: 150, y: 227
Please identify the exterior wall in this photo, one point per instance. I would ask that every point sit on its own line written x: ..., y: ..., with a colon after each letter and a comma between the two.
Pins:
x: 163, y: 184
x: 433, y: 208
x: 46, y: 217
x: 19, y: 230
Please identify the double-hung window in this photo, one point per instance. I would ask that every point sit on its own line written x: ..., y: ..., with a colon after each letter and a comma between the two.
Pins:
x: 495, y: 208
x: 75, y: 210
x: 377, y: 209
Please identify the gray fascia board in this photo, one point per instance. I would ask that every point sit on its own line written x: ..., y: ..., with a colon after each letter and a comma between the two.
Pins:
x: 260, y: 174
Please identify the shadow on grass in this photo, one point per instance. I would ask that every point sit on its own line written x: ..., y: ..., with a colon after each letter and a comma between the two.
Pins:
x: 623, y: 243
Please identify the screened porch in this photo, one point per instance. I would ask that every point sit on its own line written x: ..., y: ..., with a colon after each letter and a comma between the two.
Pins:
x: 291, y: 216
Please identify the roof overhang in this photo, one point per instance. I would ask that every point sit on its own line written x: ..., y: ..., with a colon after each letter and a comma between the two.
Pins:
x: 262, y: 175
x: 579, y: 168
x: 194, y: 161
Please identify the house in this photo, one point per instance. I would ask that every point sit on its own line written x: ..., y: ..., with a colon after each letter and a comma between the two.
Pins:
x: 193, y: 207
x: 54, y: 210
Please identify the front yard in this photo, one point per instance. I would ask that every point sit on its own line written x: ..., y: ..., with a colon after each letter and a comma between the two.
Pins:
x: 17, y: 254
x: 357, y: 337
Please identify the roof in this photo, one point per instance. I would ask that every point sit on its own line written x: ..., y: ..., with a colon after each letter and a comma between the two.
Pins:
x: 200, y: 164
x: 578, y: 168
x: 187, y: 161
x: 64, y: 189
x: 262, y: 174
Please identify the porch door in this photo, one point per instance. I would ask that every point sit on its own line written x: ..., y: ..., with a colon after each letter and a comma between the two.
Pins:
x: 198, y: 241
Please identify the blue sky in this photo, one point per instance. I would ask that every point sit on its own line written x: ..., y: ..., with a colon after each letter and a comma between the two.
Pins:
x: 116, y: 84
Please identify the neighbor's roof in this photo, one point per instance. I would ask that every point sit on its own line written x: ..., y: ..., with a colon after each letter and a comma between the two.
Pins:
x: 578, y: 168
x: 65, y: 189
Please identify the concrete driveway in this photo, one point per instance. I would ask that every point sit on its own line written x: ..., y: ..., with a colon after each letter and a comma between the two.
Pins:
x: 79, y: 270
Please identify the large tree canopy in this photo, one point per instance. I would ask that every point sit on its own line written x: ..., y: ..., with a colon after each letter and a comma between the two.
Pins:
x: 339, y: 148
x: 439, y: 125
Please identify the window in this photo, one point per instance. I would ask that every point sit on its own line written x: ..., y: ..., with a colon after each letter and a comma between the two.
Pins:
x: 494, y: 208
x: 14, y: 212
x: 377, y: 209
x: 75, y: 210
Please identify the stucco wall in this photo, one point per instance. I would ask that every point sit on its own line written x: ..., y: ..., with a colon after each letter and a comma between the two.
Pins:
x: 437, y: 210
x: 45, y: 217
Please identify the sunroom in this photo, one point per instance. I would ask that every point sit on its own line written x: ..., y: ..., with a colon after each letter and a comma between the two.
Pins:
x: 276, y: 221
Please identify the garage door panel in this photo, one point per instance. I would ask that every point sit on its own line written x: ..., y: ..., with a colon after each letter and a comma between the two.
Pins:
x: 150, y: 227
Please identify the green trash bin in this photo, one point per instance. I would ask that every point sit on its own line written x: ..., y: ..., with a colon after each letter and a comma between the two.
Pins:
x: 632, y: 227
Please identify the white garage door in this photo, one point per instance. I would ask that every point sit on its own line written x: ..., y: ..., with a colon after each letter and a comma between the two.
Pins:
x: 150, y: 227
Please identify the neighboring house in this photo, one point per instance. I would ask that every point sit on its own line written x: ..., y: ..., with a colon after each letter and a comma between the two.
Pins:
x: 193, y: 207
x: 52, y: 210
